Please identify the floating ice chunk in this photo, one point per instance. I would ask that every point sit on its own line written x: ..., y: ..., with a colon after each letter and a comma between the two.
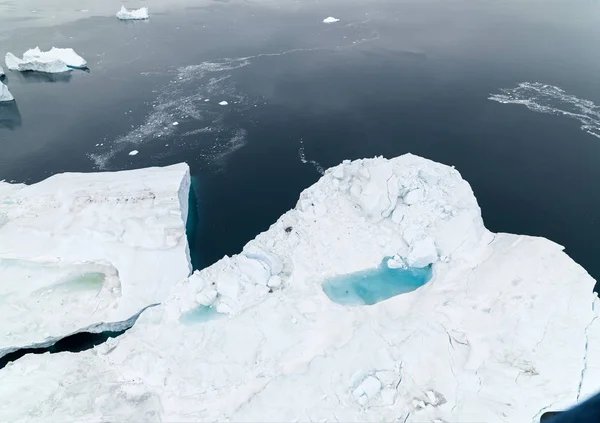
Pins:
x: 55, y: 60
x: 39, y: 65
x: 5, y: 95
x: 223, y: 103
x: 175, y: 123
x: 133, y: 153
x: 422, y: 253
x: 65, y: 55
x: 133, y: 14
x: 330, y: 19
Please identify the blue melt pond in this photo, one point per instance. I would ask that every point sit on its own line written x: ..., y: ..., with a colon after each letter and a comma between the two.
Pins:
x: 200, y: 314
x: 369, y: 287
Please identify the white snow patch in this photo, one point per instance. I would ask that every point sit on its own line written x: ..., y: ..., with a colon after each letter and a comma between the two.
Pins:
x: 503, y: 330
x: 330, y: 20
x: 134, y: 14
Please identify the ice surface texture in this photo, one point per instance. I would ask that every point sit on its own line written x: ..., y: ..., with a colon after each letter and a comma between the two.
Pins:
x: 506, y: 327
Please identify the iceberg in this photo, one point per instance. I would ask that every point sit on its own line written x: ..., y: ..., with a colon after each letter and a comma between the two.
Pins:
x: 78, y: 250
x: 5, y: 95
x: 53, y: 61
x: 506, y: 327
x: 330, y: 19
x: 138, y: 14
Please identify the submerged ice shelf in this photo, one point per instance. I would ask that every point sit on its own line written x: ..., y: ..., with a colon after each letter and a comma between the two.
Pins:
x: 505, y: 327
x: 371, y: 286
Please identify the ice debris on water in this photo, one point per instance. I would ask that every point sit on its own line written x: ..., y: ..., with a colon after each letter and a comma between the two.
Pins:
x: 330, y: 19
x: 133, y: 153
x: 55, y: 60
x: 133, y: 14
x: 223, y: 103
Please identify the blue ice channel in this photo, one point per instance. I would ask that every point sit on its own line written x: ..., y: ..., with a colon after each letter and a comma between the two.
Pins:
x: 371, y: 286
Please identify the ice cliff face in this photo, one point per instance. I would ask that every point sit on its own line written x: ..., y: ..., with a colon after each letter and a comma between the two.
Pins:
x: 505, y: 329
x: 80, y: 249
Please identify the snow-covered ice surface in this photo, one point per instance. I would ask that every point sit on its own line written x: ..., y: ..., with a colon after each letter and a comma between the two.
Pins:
x: 330, y: 19
x: 138, y: 14
x: 5, y: 94
x: 549, y: 99
x: 53, y: 61
x: 82, y: 249
x: 505, y: 329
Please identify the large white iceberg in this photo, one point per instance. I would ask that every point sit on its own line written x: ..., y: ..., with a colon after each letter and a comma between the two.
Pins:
x: 53, y: 61
x: 5, y: 94
x: 138, y: 14
x: 82, y: 249
x: 506, y: 329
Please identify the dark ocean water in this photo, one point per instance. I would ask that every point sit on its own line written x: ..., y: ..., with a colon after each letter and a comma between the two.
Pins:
x: 391, y: 77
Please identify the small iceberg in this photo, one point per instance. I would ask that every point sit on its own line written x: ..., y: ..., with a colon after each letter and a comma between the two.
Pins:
x: 5, y: 95
x: 132, y: 15
x: 330, y: 20
x: 53, y: 61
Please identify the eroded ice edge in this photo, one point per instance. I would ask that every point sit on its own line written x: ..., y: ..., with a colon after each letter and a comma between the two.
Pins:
x: 505, y: 329
x: 550, y: 99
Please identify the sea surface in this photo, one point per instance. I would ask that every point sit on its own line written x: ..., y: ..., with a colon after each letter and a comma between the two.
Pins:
x: 506, y: 91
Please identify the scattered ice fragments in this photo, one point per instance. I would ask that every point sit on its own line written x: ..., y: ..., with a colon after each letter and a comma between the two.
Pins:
x: 5, y: 95
x: 223, y: 103
x: 129, y: 15
x: 55, y: 60
x: 330, y: 19
x: 133, y: 153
